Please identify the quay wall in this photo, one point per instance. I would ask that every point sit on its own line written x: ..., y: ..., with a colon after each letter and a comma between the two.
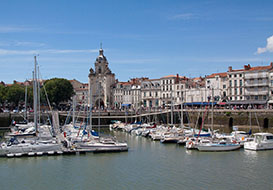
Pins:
x: 221, y: 118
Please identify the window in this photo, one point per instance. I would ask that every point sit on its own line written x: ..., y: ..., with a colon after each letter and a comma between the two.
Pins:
x: 150, y: 93
x: 224, y: 86
x: 229, y: 76
x: 230, y: 83
x: 241, y: 91
x: 241, y: 97
x: 264, y: 97
x: 155, y: 94
x: 241, y: 83
x: 235, y: 91
x: 235, y: 75
x: 163, y: 95
x: 235, y: 83
x: 144, y: 94
x: 256, y: 97
x: 177, y: 87
x: 177, y: 93
x: 208, y: 81
x: 240, y: 75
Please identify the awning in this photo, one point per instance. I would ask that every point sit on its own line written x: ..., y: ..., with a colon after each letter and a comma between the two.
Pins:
x: 270, y: 101
x: 199, y: 103
x: 247, y: 102
x: 126, y: 105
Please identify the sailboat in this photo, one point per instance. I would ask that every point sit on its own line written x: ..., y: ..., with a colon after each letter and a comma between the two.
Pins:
x: 31, y: 146
x: 91, y: 141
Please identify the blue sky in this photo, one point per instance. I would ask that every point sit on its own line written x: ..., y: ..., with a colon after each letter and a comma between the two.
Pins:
x: 140, y: 38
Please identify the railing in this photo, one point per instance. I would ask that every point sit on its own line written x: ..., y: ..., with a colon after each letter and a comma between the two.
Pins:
x: 248, y: 84
x: 253, y: 92
x: 255, y: 75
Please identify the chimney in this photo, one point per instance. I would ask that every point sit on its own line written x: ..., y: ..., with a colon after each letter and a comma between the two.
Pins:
x: 230, y: 68
x: 177, y: 78
x: 247, y: 67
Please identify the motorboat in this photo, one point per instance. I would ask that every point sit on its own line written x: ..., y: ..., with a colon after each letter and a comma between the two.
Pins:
x: 29, y: 148
x: 262, y: 141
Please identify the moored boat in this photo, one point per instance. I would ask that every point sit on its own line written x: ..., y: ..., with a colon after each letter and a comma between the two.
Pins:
x: 262, y: 141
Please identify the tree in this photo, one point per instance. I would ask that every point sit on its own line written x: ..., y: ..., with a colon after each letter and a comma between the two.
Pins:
x: 3, y: 91
x: 15, y: 93
x: 58, y: 90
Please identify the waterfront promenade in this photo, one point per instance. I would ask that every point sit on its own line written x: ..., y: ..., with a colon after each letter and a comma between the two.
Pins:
x: 262, y: 118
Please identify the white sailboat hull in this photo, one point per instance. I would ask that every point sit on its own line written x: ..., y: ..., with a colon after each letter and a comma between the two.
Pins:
x: 217, y: 147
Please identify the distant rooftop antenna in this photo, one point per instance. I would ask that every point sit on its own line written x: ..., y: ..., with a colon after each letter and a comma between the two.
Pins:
x: 100, y: 45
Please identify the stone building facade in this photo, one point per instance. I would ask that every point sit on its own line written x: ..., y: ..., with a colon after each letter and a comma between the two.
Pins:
x: 101, y: 82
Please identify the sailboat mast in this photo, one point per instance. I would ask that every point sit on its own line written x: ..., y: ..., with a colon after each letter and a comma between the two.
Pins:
x: 39, y: 97
x: 25, y: 114
x: 182, y: 109
x: 35, y: 94
x: 73, y: 107
x: 171, y: 108
x: 90, y: 108
x: 212, y: 114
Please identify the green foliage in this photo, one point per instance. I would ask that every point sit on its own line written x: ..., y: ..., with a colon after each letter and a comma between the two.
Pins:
x: 58, y: 90
x: 15, y: 93
x: 3, y: 92
x: 228, y: 113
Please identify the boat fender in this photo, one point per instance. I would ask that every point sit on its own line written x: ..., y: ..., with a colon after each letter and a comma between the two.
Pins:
x: 190, y: 142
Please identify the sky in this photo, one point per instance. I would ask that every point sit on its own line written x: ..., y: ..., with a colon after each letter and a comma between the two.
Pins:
x: 140, y: 38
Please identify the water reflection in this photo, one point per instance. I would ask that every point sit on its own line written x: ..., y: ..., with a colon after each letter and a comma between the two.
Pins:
x: 147, y: 165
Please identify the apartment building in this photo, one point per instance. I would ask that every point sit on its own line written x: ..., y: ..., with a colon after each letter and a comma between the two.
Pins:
x: 250, y: 85
x: 150, y: 93
x: 217, y: 84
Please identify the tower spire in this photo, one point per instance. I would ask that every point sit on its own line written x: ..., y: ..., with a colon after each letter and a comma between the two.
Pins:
x: 101, y: 50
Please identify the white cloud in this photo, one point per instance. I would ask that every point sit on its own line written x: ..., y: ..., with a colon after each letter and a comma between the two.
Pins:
x: 185, y: 16
x: 8, y: 29
x: 268, y: 48
x: 52, y: 51
x: 24, y: 43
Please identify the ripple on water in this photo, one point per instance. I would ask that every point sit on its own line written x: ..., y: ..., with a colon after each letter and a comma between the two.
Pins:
x: 147, y: 165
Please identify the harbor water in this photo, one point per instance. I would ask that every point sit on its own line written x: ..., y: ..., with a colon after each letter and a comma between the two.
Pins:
x: 147, y: 165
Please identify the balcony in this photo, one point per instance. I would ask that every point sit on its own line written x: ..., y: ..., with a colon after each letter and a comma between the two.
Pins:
x: 255, y: 83
x: 255, y: 75
x: 256, y: 92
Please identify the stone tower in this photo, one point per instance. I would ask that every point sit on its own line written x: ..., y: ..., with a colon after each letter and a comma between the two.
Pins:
x: 101, y: 82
